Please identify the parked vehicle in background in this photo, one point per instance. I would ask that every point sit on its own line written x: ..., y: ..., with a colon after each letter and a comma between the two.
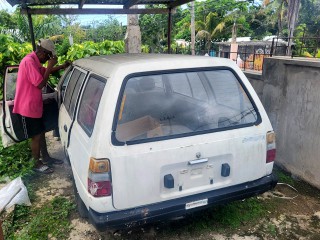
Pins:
x: 153, y: 137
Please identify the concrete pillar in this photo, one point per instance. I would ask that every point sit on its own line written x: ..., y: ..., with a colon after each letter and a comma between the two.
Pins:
x: 133, y: 34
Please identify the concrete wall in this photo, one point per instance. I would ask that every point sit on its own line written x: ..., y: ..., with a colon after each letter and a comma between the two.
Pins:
x: 290, y: 92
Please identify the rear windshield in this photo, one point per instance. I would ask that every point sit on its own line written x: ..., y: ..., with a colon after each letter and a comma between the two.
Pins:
x: 179, y: 104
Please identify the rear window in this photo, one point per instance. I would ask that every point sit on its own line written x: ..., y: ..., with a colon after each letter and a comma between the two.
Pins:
x: 179, y: 104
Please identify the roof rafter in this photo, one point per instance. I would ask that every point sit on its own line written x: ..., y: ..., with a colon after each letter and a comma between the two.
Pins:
x: 81, y: 3
x: 178, y: 3
x: 67, y: 11
x: 130, y: 3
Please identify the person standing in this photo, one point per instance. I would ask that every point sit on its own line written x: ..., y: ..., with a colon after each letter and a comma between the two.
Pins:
x: 28, y: 103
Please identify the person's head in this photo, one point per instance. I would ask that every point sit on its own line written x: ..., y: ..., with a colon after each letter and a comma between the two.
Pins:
x: 45, y: 50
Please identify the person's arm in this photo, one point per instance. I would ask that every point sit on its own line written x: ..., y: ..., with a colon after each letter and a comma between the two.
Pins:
x: 52, y: 69
x: 62, y: 66
x: 52, y: 61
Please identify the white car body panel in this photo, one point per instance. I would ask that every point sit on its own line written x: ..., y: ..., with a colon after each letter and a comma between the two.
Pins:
x: 138, y: 169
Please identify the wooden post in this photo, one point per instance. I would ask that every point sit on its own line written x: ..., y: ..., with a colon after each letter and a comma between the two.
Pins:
x: 1, y: 231
x: 169, y: 30
x: 193, y: 35
x: 31, y: 30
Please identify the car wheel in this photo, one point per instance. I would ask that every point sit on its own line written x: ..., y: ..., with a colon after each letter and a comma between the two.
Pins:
x: 81, y: 207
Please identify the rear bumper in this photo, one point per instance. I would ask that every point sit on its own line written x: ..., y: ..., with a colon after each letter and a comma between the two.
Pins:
x: 175, y: 208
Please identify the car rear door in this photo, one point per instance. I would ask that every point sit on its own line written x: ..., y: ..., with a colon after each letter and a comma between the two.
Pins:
x: 180, y: 134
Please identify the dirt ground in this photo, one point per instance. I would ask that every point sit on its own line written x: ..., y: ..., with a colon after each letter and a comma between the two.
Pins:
x: 295, y: 215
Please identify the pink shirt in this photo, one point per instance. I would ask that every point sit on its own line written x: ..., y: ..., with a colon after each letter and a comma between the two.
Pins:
x: 28, y: 98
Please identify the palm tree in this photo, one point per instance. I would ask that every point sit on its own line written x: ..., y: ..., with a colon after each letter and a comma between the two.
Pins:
x: 205, y: 30
x: 279, y: 6
x: 215, y: 24
x: 291, y: 8
x: 293, y: 11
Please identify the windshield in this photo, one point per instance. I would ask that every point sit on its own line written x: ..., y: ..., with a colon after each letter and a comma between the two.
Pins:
x: 179, y: 104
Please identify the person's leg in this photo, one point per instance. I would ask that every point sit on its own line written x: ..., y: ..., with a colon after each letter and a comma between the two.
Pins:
x: 35, y: 147
x: 44, y: 152
x: 32, y: 128
x: 43, y: 146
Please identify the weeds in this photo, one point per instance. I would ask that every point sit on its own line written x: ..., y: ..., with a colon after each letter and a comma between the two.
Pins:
x: 283, y: 177
x: 272, y: 229
x: 51, y: 220
x: 15, y: 160
x: 232, y: 216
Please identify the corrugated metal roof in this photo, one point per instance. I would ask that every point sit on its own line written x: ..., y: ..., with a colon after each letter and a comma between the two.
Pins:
x: 94, y: 2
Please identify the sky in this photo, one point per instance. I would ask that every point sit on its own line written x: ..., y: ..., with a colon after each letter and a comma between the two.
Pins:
x: 83, y: 19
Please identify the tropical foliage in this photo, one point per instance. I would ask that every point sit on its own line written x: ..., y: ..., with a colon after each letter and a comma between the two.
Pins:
x: 12, y: 52
x: 216, y: 20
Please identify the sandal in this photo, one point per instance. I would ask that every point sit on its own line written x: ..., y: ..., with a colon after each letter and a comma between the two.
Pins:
x: 43, y: 169
x: 51, y: 161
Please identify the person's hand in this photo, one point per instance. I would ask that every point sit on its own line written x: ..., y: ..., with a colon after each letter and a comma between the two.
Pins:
x: 66, y: 64
x: 52, y: 61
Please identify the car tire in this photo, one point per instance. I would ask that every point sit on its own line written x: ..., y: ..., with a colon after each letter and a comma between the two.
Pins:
x: 81, y: 207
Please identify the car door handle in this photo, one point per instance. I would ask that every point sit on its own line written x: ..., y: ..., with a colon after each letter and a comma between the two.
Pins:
x: 65, y: 128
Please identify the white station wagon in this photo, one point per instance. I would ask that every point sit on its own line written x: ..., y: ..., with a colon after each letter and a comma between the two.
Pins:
x: 152, y: 137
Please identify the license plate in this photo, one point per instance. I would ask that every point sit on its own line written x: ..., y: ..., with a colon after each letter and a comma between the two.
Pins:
x: 195, y: 204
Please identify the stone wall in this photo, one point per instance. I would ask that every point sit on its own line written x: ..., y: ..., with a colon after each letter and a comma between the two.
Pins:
x: 290, y: 92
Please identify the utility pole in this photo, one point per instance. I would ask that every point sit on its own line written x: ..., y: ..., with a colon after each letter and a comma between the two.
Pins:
x: 133, y: 34
x: 193, y: 31
x: 293, y: 12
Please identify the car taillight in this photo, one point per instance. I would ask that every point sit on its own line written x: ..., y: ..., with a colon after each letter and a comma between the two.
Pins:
x: 271, y: 147
x: 99, y: 180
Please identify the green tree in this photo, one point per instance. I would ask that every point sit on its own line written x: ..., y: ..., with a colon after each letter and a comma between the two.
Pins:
x: 260, y: 23
x: 6, y: 20
x: 154, y: 28
x: 44, y: 26
x: 109, y: 29
x: 310, y: 16
x: 228, y: 20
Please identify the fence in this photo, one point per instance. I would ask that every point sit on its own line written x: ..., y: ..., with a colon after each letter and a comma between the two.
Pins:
x: 250, y: 55
x: 298, y: 47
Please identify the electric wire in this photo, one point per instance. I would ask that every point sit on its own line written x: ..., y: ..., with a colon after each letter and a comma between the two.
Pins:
x: 284, y: 197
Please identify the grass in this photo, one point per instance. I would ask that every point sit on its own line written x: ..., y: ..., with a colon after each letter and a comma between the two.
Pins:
x: 230, y: 216
x: 283, y: 177
x: 15, y: 160
x: 50, y: 220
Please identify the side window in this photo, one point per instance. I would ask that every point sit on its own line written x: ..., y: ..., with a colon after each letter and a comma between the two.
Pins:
x: 72, y: 91
x: 64, y: 84
x: 89, y: 104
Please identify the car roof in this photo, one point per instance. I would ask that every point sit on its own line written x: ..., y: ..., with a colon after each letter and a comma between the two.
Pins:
x: 105, y: 65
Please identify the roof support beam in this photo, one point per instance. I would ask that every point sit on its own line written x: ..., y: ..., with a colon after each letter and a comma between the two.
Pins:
x: 169, y: 30
x: 67, y: 11
x: 178, y: 3
x: 130, y: 3
x: 81, y: 3
x: 31, y: 31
